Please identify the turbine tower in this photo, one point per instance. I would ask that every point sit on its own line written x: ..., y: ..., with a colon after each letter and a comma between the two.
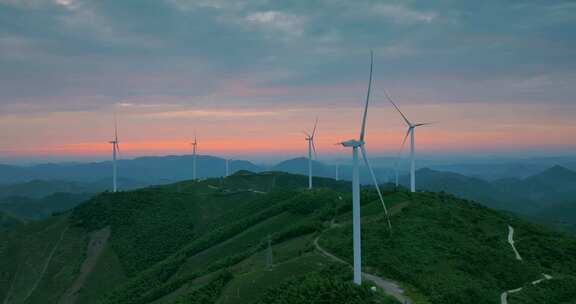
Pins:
x: 337, y: 173
x: 115, y: 151
x: 410, y: 131
x: 397, y: 162
x: 194, y: 143
x: 356, y: 144
x: 227, y: 167
x: 311, y: 147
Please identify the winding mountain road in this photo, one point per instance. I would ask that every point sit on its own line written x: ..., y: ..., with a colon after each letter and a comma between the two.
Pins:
x: 504, y: 295
x: 511, y: 242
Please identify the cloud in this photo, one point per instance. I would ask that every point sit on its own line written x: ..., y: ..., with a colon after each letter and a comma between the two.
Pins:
x: 190, y: 5
x: 288, y: 24
x: 402, y: 14
x: 69, y: 4
x: 211, y: 113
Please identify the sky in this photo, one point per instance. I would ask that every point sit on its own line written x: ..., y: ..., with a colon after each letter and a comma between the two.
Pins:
x: 248, y: 77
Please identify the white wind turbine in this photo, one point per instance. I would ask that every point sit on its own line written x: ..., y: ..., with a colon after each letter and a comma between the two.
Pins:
x: 356, y: 144
x: 115, y: 151
x: 194, y: 144
x: 311, y: 147
x: 410, y: 131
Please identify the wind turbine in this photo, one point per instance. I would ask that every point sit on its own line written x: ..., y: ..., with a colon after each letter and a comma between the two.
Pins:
x: 194, y: 143
x: 115, y: 150
x: 311, y: 147
x: 356, y: 144
x: 410, y: 131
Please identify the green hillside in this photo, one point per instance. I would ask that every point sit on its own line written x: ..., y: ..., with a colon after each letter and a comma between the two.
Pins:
x: 208, y: 242
x: 40, y: 208
x: 8, y: 221
x: 42, y: 188
x: 546, y: 197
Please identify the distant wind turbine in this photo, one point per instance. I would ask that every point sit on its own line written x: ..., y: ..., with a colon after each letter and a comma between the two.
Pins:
x: 355, y: 144
x: 410, y: 131
x: 194, y: 144
x: 311, y: 147
x: 115, y: 150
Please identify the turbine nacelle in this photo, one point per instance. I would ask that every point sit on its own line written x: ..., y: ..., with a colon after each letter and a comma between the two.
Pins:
x: 352, y: 143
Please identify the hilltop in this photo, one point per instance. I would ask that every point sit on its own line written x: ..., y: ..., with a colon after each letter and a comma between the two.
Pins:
x: 207, y: 242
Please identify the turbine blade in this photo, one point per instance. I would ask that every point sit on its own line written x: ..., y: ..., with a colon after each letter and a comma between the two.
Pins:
x: 365, y: 157
x: 115, y: 128
x: 398, y: 109
x: 117, y: 147
x: 404, y: 140
x: 401, y: 148
x: 315, y: 125
x: 314, y: 149
x: 363, y: 127
x: 423, y: 124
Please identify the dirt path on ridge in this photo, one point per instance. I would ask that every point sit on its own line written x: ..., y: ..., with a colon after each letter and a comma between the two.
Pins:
x: 96, y: 245
x: 390, y: 287
x: 46, y: 264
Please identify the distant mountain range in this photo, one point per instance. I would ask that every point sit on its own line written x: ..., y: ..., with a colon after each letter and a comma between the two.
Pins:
x: 95, y: 177
x: 541, y: 195
x: 487, y: 168
x: 300, y: 166
x: 167, y: 169
x: 549, y: 195
x: 141, y: 170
